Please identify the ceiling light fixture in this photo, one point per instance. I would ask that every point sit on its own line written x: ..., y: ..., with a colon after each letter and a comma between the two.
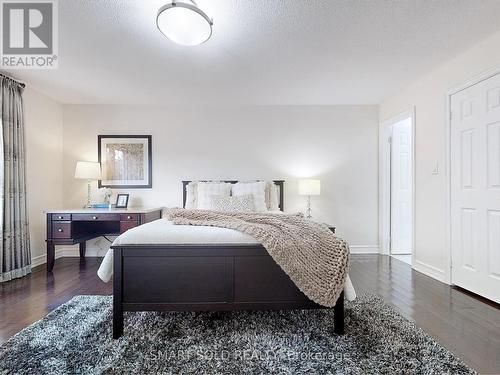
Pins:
x: 184, y: 23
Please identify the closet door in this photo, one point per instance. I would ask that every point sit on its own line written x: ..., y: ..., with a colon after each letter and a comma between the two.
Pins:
x: 475, y: 188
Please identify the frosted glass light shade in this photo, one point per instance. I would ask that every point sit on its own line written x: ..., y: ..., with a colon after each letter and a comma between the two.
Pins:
x: 88, y: 170
x: 309, y: 187
x: 184, y: 24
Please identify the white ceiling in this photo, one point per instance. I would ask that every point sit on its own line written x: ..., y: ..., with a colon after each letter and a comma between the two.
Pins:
x: 261, y: 51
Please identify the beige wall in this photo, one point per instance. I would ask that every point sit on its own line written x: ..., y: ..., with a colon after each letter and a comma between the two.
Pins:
x: 43, y: 133
x: 428, y: 94
x: 338, y: 145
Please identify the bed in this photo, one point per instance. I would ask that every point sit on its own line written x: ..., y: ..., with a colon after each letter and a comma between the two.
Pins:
x: 164, y: 267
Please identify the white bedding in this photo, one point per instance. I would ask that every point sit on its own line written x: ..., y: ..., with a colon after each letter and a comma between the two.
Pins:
x: 162, y: 231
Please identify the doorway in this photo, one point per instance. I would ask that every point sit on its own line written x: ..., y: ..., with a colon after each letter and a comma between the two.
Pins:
x: 397, y: 190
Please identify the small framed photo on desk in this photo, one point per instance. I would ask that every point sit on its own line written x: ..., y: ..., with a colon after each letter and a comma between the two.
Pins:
x: 122, y: 201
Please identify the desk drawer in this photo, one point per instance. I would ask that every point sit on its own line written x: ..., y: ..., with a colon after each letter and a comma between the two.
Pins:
x: 129, y: 217
x: 96, y: 217
x: 61, y: 229
x: 65, y: 217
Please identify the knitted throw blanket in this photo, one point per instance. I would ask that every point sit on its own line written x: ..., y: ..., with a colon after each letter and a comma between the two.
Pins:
x: 309, y: 253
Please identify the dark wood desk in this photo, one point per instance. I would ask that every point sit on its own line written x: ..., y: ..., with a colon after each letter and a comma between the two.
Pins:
x: 70, y: 227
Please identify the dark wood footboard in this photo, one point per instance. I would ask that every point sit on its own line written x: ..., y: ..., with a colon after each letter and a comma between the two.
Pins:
x: 203, y: 278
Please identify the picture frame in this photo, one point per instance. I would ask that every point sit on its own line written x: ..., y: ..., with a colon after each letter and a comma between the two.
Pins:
x: 122, y: 201
x: 126, y: 161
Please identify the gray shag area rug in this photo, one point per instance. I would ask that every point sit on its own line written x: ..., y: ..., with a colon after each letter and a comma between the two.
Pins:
x: 76, y: 339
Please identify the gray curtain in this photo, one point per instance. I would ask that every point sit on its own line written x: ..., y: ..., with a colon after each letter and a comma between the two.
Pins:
x: 15, y: 254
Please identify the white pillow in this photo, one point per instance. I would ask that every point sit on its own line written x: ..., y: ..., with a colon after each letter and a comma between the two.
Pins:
x: 191, y: 195
x: 243, y: 203
x: 272, y: 196
x: 208, y: 189
x: 256, y: 189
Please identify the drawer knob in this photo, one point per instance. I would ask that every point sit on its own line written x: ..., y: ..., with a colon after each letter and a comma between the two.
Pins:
x: 129, y: 217
x: 94, y: 217
x: 60, y: 230
x: 60, y: 217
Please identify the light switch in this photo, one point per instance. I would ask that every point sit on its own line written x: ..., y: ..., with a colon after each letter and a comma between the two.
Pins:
x: 435, y: 170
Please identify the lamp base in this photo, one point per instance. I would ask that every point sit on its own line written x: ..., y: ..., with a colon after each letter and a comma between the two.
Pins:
x: 88, y: 204
x: 308, y: 207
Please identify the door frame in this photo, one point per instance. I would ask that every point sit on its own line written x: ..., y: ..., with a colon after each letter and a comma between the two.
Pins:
x: 385, y: 130
x: 447, y: 162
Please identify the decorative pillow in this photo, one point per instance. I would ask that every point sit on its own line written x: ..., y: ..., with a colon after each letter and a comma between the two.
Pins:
x: 207, y: 189
x: 242, y: 203
x: 272, y: 201
x: 192, y: 195
x: 256, y: 189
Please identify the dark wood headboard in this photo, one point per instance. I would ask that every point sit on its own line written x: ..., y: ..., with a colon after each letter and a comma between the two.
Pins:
x: 278, y: 183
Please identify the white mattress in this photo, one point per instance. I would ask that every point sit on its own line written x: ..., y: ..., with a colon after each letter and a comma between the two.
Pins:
x: 162, y: 231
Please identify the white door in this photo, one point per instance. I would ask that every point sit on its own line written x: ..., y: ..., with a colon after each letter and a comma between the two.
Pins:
x: 475, y: 188
x: 402, y: 187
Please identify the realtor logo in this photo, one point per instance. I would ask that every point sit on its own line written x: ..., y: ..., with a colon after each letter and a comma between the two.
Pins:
x: 29, y: 34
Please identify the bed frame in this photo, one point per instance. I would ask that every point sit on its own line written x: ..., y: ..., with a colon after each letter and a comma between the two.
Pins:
x: 204, y: 278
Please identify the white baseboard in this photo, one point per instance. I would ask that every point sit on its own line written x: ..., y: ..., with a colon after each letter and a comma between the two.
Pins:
x: 364, y: 249
x: 69, y: 251
x: 38, y: 260
x: 74, y: 251
x: 428, y: 270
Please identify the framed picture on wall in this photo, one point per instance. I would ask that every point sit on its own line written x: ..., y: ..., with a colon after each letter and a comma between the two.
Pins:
x: 125, y: 161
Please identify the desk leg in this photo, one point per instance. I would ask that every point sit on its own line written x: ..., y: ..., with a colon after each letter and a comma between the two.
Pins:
x: 83, y: 247
x: 51, y: 256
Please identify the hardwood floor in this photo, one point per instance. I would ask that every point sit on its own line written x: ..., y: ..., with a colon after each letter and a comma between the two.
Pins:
x: 464, y: 324
x: 24, y: 301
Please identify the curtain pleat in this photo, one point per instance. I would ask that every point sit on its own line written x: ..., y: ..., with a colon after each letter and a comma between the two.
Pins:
x: 15, y: 253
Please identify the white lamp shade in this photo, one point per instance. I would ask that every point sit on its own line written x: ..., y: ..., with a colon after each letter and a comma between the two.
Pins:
x: 88, y: 170
x: 309, y: 187
x: 184, y: 24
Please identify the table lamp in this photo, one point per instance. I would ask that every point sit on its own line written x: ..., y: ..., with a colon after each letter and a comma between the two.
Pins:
x: 309, y: 187
x: 90, y: 171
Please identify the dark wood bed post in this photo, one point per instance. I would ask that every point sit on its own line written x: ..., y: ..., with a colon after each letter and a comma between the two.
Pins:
x: 117, y: 293
x: 338, y: 317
